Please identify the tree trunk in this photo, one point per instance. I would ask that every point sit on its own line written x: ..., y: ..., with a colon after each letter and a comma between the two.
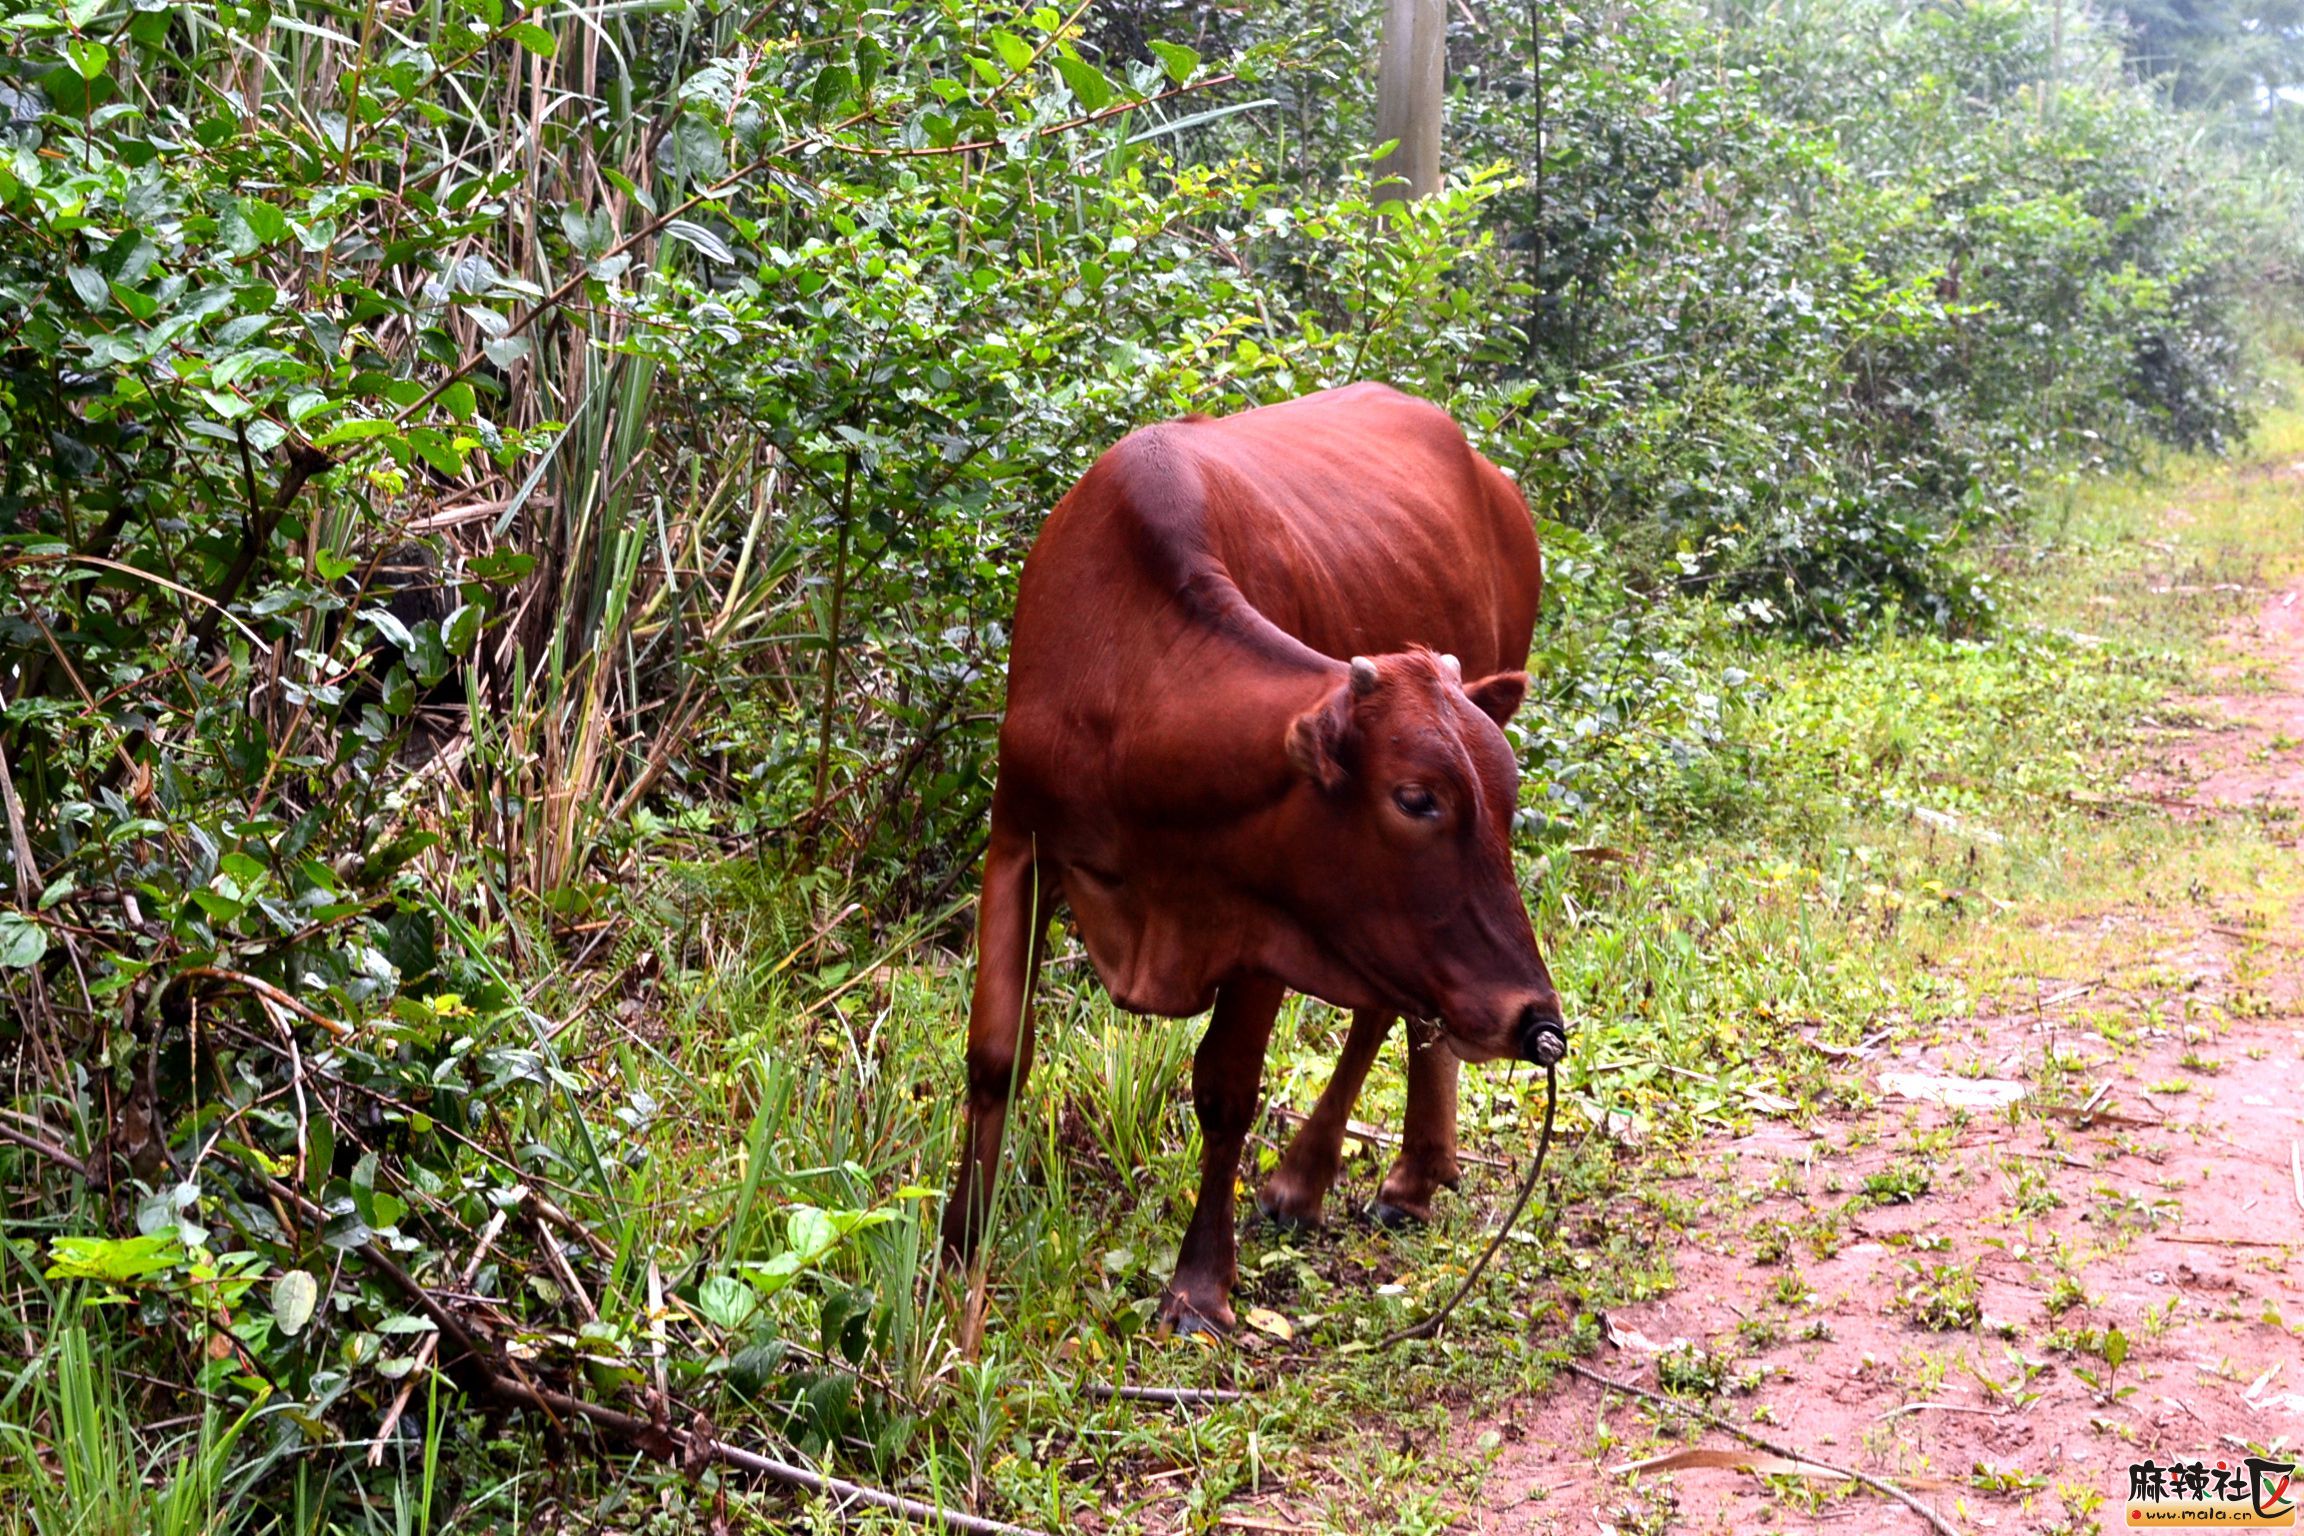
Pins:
x: 1412, y: 74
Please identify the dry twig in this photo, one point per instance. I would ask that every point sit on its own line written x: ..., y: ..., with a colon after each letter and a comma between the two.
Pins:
x: 1936, y: 1522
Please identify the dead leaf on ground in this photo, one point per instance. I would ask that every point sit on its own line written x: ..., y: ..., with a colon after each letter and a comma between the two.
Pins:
x: 1624, y: 1337
x: 1265, y: 1320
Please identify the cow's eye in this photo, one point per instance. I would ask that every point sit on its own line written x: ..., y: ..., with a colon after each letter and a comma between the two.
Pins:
x: 1417, y: 801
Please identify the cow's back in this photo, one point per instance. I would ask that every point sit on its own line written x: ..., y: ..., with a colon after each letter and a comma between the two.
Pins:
x: 1352, y: 522
x: 1361, y: 522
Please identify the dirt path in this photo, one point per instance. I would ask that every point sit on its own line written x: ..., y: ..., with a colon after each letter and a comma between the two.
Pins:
x: 1926, y: 1294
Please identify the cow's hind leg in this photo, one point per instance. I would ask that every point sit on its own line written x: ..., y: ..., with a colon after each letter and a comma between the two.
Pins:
x: 1299, y: 1186
x: 1227, y: 1079
x: 1427, y: 1161
x: 1011, y: 918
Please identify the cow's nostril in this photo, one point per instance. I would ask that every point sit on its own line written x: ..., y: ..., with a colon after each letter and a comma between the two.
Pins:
x: 1543, y: 1034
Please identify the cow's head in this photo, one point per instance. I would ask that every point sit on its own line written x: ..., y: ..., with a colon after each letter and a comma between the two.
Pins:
x: 1407, y: 880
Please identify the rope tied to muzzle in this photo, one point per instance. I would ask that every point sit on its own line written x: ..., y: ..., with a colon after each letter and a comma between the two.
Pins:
x: 1432, y: 1322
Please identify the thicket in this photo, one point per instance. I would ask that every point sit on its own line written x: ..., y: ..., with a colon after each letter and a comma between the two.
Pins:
x: 461, y: 460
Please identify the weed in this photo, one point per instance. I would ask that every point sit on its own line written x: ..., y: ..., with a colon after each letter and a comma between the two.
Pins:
x: 1941, y: 1297
x: 1898, y: 1184
x: 1693, y: 1371
x: 2065, y: 1293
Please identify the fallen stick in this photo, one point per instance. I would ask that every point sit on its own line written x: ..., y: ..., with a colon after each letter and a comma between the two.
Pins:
x: 1936, y: 1522
x: 2252, y: 935
x: 2225, y: 1242
x: 1173, y: 1397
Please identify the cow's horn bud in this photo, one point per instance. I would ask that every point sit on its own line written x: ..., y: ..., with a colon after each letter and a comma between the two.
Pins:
x: 1363, y: 675
x: 1453, y: 667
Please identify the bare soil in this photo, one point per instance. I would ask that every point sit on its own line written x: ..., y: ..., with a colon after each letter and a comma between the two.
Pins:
x: 2250, y: 755
x: 2173, y: 1214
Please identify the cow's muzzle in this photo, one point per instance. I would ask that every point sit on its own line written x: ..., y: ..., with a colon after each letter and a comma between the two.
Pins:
x: 1542, y: 1033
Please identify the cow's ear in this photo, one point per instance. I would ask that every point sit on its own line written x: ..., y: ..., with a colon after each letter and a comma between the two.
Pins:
x: 1316, y: 740
x: 1498, y: 697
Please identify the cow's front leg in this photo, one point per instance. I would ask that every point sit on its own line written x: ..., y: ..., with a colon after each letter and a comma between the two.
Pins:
x: 1427, y: 1161
x: 1227, y: 1079
x: 1299, y: 1186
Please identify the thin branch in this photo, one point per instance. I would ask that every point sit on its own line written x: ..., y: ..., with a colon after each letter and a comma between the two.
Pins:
x: 1085, y: 119
x: 271, y: 994
x: 46, y: 1149
x: 1936, y: 1522
x: 431, y: 1346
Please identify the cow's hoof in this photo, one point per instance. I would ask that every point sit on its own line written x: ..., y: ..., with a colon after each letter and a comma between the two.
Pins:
x: 1182, y: 1316
x: 1399, y: 1214
x: 1288, y: 1210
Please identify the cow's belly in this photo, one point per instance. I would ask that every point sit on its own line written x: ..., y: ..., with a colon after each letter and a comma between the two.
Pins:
x: 1154, y: 953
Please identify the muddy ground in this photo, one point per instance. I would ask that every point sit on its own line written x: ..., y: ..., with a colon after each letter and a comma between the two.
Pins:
x: 2171, y: 1214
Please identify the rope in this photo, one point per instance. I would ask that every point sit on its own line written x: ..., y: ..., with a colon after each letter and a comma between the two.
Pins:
x: 1431, y: 1324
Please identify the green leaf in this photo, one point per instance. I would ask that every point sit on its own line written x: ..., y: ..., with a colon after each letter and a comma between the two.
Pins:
x: 88, y: 56
x: 726, y: 1302
x: 90, y: 285
x: 533, y: 38
x: 1089, y: 86
x: 1180, y: 61
x: 501, y: 566
x: 114, y: 1261
x: 356, y: 431
x: 294, y: 1295
x: 462, y: 628
x: 265, y: 221
x: 834, y: 84
x: 457, y: 400
x: 1013, y: 50
x: 435, y: 449
x: 810, y: 1232
x: 22, y: 942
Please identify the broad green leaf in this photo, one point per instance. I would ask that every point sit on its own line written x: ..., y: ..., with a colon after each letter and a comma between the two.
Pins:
x: 501, y: 565
x: 533, y: 38
x: 1180, y: 62
x: 115, y: 1260
x: 1013, y: 50
x: 1088, y: 83
x: 22, y: 942
x: 294, y: 1295
x: 726, y: 1302
x: 355, y: 431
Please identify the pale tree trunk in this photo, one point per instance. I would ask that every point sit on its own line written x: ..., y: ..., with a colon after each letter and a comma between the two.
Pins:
x: 1412, y: 74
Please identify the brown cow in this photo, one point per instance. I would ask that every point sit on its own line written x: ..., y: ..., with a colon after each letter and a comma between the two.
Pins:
x: 1231, y: 807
